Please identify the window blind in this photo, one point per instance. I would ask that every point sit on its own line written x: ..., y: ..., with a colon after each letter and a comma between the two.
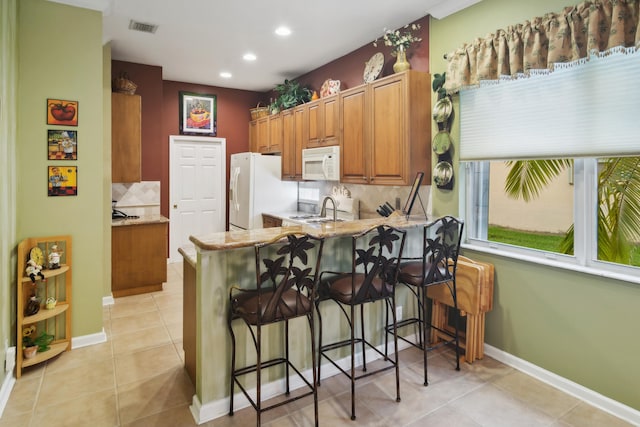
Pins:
x: 585, y: 109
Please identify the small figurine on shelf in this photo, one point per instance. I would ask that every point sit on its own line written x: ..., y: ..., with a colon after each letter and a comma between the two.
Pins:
x: 34, y: 271
x: 50, y: 303
x: 33, y: 306
x: 54, y: 257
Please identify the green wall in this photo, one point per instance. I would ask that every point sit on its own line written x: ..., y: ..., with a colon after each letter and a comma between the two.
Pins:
x: 8, y: 78
x: 60, y: 55
x: 579, y: 326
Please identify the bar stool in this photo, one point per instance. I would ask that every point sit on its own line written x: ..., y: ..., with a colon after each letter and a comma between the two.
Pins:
x: 376, y: 253
x: 436, y: 266
x: 286, y: 279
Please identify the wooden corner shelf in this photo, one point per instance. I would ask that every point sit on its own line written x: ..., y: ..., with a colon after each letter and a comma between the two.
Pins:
x: 57, y: 284
x: 55, y: 350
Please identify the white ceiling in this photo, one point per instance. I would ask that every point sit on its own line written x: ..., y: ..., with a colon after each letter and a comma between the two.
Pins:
x: 196, y: 40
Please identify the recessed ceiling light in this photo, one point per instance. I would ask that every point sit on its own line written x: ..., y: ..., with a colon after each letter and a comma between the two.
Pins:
x: 249, y: 57
x: 225, y: 75
x: 283, y: 31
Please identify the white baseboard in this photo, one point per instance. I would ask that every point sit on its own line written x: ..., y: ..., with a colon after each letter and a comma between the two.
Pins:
x: 5, y: 390
x: 574, y: 389
x: 108, y: 300
x: 86, y: 340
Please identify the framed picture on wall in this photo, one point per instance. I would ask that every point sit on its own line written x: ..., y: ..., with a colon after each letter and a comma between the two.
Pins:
x: 61, y: 112
x: 198, y: 114
x: 62, y: 144
x: 62, y: 180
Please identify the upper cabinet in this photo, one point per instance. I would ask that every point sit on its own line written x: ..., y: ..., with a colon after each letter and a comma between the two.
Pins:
x: 293, y: 137
x: 265, y: 134
x: 126, y: 138
x: 322, y: 123
x: 386, y: 130
x: 383, y: 129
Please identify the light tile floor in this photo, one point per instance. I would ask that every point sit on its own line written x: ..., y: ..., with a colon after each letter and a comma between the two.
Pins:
x: 137, y: 379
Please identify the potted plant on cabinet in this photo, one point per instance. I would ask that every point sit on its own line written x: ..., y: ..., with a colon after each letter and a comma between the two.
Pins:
x: 290, y: 94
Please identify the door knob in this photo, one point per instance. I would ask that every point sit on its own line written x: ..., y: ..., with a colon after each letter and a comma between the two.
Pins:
x: 175, y: 206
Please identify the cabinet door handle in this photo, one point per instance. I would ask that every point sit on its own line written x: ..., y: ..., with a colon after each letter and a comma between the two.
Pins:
x: 175, y: 206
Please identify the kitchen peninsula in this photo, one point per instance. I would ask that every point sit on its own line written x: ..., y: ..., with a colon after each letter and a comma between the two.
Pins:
x: 218, y: 261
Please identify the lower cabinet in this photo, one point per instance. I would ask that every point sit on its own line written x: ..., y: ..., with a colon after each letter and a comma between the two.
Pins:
x: 138, y: 258
x: 269, y: 221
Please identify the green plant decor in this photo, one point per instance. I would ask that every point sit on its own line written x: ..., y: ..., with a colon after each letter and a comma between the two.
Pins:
x: 290, y: 94
x: 42, y: 341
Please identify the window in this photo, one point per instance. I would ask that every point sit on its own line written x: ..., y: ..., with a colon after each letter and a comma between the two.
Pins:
x: 566, y: 125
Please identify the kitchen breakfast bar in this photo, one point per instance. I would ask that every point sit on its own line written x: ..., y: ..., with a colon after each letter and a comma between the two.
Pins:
x: 221, y: 260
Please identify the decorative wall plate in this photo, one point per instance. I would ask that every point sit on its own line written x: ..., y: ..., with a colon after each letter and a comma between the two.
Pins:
x: 373, y: 67
x: 442, y: 173
x: 442, y: 110
x: 441, y: 142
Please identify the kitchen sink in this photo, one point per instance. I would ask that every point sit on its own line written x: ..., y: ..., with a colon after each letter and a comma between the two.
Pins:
x: 322, y: 220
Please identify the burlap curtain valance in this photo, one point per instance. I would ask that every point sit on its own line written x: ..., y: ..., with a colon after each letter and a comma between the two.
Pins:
x: 591, y: 27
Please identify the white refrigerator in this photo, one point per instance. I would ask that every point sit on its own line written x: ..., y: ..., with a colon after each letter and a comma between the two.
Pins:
x: 255, y: 186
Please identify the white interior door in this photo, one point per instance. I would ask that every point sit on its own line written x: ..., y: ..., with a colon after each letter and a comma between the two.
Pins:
x: 197, y: 196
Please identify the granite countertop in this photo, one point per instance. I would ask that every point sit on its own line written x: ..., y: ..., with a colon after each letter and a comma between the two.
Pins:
x: 240, y: 239
x: 144, y: 219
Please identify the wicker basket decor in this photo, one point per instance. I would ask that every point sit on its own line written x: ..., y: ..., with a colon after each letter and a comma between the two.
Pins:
x: 258, y: 112
x: 122, y: 84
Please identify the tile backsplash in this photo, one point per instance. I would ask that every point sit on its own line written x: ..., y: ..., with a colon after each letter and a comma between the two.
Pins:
x: 370, y: 196
x: 137, y: 198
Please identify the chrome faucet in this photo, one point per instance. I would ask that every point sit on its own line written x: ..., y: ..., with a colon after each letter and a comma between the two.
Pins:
x: 323, y: 210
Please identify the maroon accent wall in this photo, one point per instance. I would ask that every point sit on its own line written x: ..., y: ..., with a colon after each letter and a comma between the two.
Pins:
x: 160, y: 115
x: 233, y: 122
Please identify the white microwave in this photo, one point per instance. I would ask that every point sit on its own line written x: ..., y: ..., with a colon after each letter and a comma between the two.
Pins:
x: 321, y: 164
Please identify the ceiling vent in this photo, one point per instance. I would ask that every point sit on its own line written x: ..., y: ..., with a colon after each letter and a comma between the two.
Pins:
x: 141, y: 26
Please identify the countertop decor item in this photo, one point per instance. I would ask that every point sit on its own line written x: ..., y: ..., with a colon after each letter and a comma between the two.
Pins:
x: 258, y: 112
x: 329, y: 87
x: 401, y: 63
x: 400, y: 39
x: 122, y: 84
x: 290, y: 94
x: 373, y: 67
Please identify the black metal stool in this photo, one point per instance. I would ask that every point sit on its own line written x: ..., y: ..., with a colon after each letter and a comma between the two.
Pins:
x: 376, y: 253
x: 437, y: 266
x: 286, y: 279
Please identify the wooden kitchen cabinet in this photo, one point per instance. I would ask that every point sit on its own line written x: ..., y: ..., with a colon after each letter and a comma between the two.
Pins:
x: 262, y: 134
x: 253, y: 136
x: 138, y: 258
x: 354, y: 124
x: 322, y: 122
x: 292, y: 141
x: 126, y: 137
x: 386, y: 130
x: 275, y: 133
x: 270, y: 221
x: 265, y: 134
